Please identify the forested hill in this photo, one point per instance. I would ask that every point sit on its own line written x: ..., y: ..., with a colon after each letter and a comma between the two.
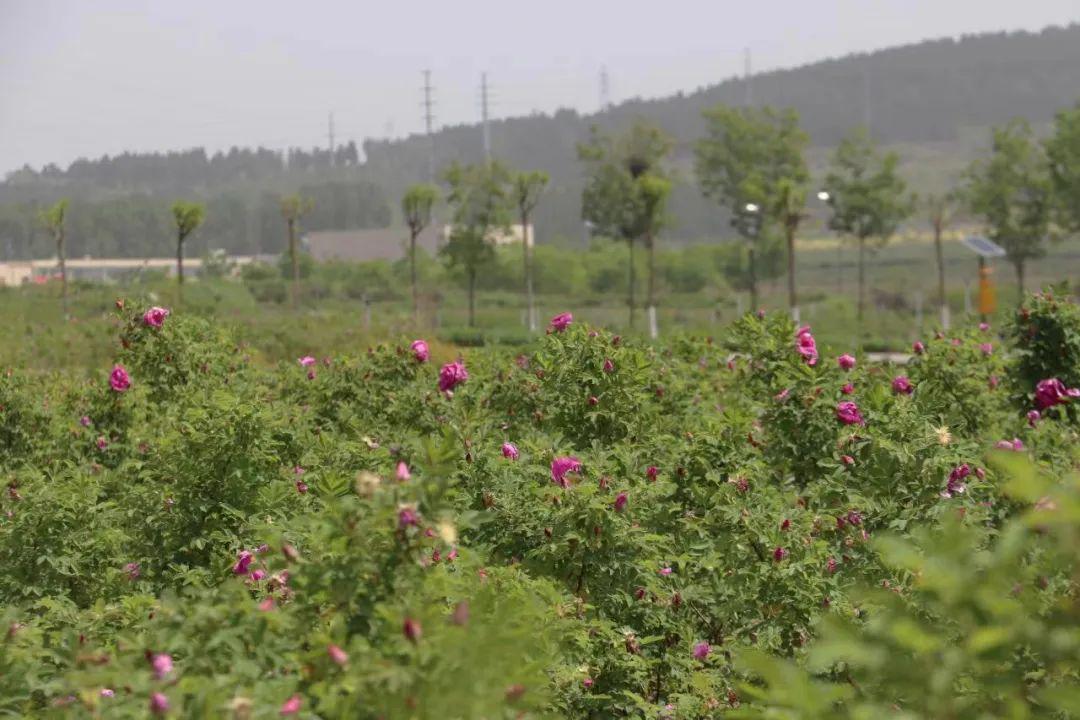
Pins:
x: 915, y: 94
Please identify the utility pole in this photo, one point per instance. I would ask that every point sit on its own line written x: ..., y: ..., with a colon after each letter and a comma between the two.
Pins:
x: 484, y: 116
x: 748, y: 81
x: 605, y: 89
x: 868, y: 118
x: 429, y: 122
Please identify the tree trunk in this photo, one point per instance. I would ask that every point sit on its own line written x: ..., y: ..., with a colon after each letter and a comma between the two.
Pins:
x: 943, y: 303
x: 526, y: 255
x: 650, y: 299
x: 630, y: 242
x: 1019, y: 281
x: 861, y: 303
x: 753, y: 278
x: 63, y: 270
x: 412, y: 276
x: 295, y: 262
x: 793, y: 303
x: 472, y: 297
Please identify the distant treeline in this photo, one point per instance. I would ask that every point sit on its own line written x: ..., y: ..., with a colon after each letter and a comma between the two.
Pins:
x: 923, y: 92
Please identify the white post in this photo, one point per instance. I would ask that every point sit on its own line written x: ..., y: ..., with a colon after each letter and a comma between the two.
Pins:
x: 918, y: 310
x: 654, y: 332
x: 967, y: 297
x: 945, y: 317
x: 795, y: 314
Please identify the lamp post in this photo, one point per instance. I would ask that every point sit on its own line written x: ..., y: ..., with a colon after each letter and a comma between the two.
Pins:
x: 752, y: 226
x: 825, y: 197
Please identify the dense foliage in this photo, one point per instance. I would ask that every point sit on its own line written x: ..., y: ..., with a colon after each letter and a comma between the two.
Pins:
x: 739, y: 526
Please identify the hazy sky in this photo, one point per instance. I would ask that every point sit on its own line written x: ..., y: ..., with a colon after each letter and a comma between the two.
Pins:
x: 88, y: 77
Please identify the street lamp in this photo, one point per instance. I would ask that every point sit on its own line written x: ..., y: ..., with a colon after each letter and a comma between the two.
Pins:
x: 751, y: 208
x: 823, y: 196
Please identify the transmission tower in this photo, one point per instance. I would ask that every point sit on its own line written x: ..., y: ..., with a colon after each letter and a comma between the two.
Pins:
x: 484, y: 116
x: 748, y: 79
x: 429, y: 124
x: 605, y: 88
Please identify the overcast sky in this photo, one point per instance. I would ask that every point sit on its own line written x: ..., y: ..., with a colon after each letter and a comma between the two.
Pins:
x: 89, y: 77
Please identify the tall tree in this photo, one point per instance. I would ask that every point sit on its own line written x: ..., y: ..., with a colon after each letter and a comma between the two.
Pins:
x: 293, y: 209
x: 187, y: 217
x: 1063, y: 152
x: 939, y: 212
x: 755, y: 157
x: 479, y: 197
x: 527, y: 188
x: 416, y: 207
x: 53, y: 218
x: 620, y: 199
x: 1011, y: 191
x: 868, y: 197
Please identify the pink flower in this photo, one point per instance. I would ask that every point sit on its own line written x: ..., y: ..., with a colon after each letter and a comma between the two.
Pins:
x: 1015, y: 445
x: 338, y: 655
x: 984, y: 326
x: 106, y: 692
x: 847, y: 459
x: 402, y: 473
x: 902, y: 386
x: 848, y: 413
x: 847, y: 389
x: 1033, y: 417
x: 987, y: 349
x: 955, y: 484
x: 587, y: 683
x: 155, y: 316
x: 845, y: 361
x: 162, y: 664
x: 779, y: 554
x: 785, y: 525
x: 782, y: 395
x: 804, y: 343
x: 609, y: 365
x: 563, y: 466
x: 510, y: 451
x: 291, y: 706
x: 310, y: 374
x: 702, y: 650
x: 993, y: 381
x: 159, y: 704
x: 830, y: 565
x: 267, y: 604
x: 407, y: 516
x: 918, y: 348
x: 420, y: 350
x: 451, y: 375
x: 85, y: 421
x: 298, y: 470
x: 240, y: 567
x: 593, y: 401
x: 411, y: 629
x: 665, y: 571
x: 102, y: 443
x: 620, y: 502
x: 257, y: 575
x: 306, y: 361
x: 119, y: 379
x: 132, y: 570
x: 561, y: 321
x: 301, y: 487
x: 652, y: 472
x: 1051, y: 392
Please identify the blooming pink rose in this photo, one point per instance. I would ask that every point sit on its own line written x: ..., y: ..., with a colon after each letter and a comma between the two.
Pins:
x: 919, y: 348
x: 338, y: 655
x: 563, y: 466
x: 159, y: 704
x: 804, y: 343
x: 848, y: 413
x: 1051, y: 392
x: 1014, y: 445
x: 561, y: 321
x: 620, y: 502
x: 291, y: 706
x: 451, y: 375
x: 702, y: 650
x: 665, y: 571
x: 155, y: 316
x: 420, y: 350
x: 402, y: 473
x: 306, y: 361
x: 847, y: 389
x: 987, y: 348
x: 902, y: 386
x: 845, y: 361
x: 240, y: 567
x: 162, y: 664
x: 119, y: 379
x: 955, y: 484
x: 510, y: 451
